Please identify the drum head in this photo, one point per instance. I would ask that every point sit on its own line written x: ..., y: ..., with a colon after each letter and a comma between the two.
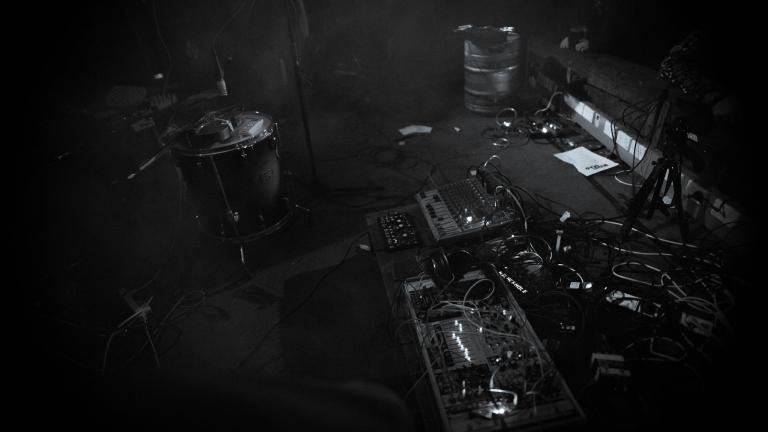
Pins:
x: 249, y: 126
x: 227, y: 131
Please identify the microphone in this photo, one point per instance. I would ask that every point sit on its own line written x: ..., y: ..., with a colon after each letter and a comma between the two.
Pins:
x: 221, y: 85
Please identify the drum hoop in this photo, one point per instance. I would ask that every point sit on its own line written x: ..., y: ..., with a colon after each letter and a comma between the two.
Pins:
x: 235, y: 145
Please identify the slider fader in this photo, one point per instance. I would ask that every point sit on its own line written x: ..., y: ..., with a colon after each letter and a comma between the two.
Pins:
x: 399, y: 231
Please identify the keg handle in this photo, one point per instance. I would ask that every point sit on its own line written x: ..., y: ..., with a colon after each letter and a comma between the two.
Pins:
x: 505, y: 124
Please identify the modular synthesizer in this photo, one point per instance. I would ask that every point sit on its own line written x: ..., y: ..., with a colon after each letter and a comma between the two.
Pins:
x: 487, y: 369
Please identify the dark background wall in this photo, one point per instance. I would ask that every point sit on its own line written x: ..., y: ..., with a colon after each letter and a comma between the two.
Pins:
x: 84, y: 48
x: 355, y: 54
x: 93, y: 47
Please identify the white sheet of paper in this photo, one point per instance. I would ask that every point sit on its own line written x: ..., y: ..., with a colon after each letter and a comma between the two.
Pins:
x: 415, y: 129
x: 586, y: 161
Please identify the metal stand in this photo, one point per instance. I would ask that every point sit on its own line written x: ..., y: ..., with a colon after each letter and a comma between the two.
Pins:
x: 302, y: 99
x: 666, y: 175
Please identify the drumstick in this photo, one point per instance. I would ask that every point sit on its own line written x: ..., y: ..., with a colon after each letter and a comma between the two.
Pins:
x: 148, y: 162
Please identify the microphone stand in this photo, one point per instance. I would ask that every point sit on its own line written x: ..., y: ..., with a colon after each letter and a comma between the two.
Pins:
x: 302, y: 99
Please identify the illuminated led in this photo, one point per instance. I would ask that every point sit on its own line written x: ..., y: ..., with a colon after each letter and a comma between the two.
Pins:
x: 499, y: 410
x: 469, y: 219
x: 453, y: 335
x: 480, y: 329
x: 461, y: 327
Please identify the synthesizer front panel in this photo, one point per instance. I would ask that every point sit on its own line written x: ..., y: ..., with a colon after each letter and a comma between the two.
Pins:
x: 463, y: 210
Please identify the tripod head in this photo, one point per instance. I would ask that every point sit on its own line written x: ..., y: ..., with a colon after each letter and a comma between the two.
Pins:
x: 680, y: 142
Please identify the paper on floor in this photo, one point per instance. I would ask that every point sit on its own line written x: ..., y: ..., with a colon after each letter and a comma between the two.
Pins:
x: 586, y: 161
x: 412, y: 129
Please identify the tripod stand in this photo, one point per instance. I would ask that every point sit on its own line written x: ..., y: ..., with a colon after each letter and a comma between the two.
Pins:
x: 666, y: 175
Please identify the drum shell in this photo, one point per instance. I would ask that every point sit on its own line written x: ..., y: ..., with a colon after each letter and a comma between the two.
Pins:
x: 236, y: 191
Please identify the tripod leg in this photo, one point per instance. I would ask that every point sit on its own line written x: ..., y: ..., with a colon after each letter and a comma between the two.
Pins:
x: 636, y: 205
x: 656, y: 198
x: 678, y: 200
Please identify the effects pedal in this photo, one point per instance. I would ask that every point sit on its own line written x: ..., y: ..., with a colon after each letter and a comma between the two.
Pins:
x: 399, y: 231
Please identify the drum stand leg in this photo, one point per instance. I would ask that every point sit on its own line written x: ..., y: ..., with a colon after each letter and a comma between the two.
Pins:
x: 271, y: 297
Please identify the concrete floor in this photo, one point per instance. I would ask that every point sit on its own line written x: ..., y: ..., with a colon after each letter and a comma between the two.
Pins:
x: 102, y: 235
